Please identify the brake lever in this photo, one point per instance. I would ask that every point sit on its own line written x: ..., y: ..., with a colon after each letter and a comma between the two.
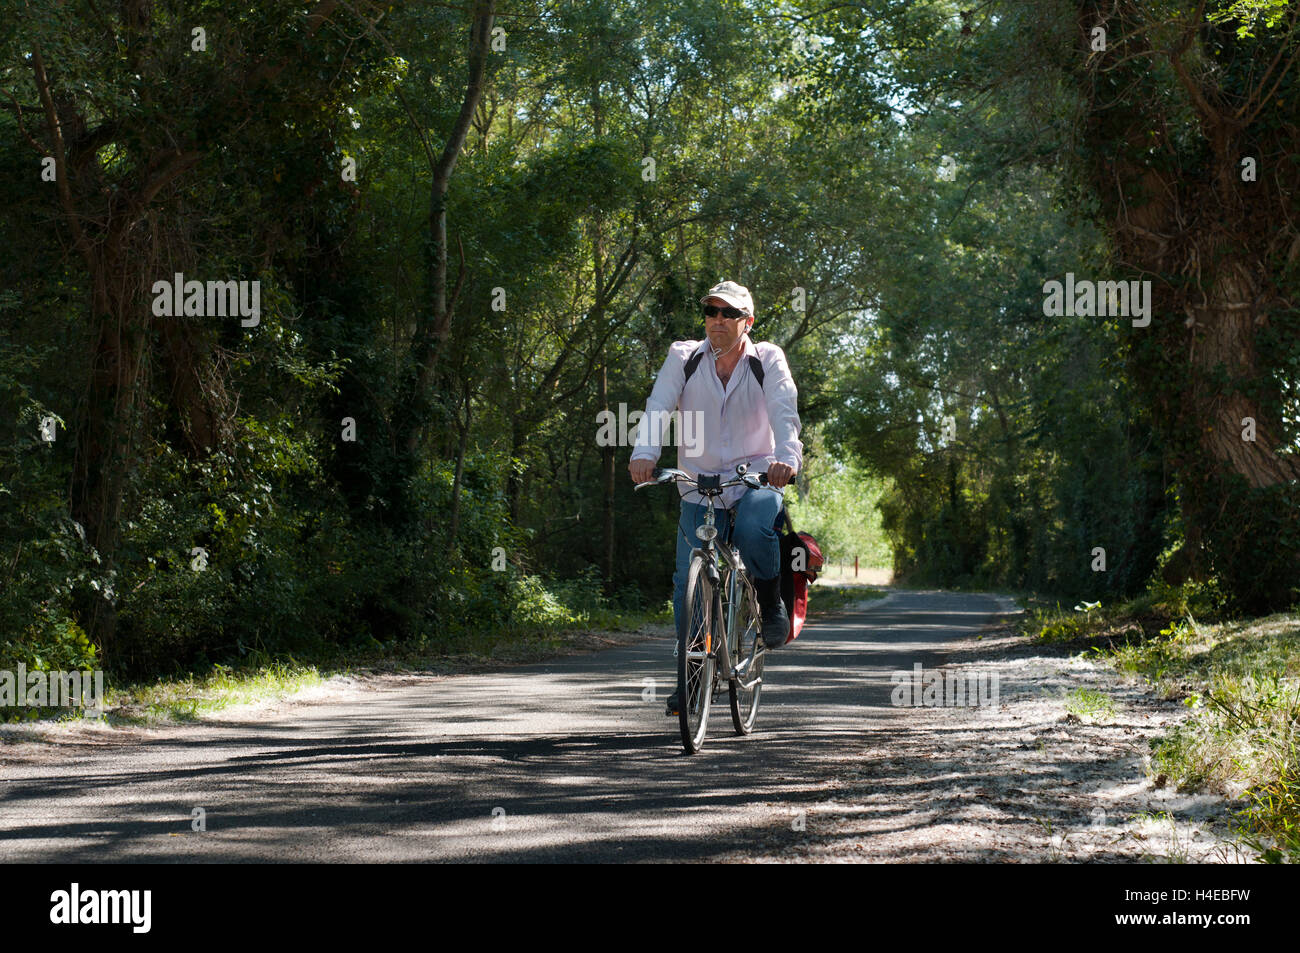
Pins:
x: 660, y: 476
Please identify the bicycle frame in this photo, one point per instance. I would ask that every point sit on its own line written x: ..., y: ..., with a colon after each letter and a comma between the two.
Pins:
x: 717, y: 568
x: 737, y: 588
x: 712, y: 552
x: 737, y: 574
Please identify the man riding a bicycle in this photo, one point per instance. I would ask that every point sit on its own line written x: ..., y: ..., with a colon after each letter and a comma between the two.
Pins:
x: 744, y: 403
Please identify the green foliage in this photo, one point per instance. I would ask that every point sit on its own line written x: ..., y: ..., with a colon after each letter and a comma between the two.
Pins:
x: 781, y: 164
x: 1270, y: 823
x: 1248, y: 13
x: 1241, y: 682
x: 49, y: 644
x: 1243, y: 741
x: 43, y: 552
x: 528, y: 604
x: 839, y: 510
x: 1058, y: 627
x: 1191, y: 598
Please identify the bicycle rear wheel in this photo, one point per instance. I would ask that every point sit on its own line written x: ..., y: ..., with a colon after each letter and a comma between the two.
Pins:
x: 695, y: 658
x: 747, y: 655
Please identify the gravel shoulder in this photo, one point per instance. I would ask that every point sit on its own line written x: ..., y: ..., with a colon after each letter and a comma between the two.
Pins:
x: 1022, y: 781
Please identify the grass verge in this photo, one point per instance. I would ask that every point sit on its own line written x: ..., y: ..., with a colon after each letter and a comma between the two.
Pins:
x: 188, y: 697
x: 261, y: 677
x: 824, y: 598
x: 1241, y: 680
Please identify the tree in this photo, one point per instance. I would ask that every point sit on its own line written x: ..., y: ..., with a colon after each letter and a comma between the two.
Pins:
x: 130, y: 104
x: 1195, y: 174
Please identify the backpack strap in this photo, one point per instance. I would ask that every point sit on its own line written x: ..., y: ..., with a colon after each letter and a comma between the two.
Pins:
x: 692, y: 362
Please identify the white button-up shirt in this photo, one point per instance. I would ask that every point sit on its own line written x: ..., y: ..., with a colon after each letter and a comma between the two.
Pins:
x: 722, y: 427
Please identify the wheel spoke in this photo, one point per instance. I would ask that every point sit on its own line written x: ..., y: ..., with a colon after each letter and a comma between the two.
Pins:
x: 695, y: 662
x: 747, y: 681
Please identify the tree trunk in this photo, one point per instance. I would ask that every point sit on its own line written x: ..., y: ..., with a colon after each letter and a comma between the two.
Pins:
x: 103, y: 433
x: 434, y: 329
x: 1205, y: 239
x: 607, y: 510
x: 598, y: 308
x: 514, y: 480
x: 461, y: 447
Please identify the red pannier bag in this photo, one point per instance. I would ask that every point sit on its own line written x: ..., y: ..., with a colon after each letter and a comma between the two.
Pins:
x: 797, y: 549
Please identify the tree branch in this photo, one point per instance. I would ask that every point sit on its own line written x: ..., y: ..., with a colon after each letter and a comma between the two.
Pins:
x: 179, y: 163
x: 60, y: 159
x: 18, y: 111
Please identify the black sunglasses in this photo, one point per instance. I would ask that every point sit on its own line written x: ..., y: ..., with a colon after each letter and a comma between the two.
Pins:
x: 731, y: 314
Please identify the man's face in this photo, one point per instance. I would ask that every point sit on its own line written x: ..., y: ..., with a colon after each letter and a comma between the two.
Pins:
x: 724, y: 332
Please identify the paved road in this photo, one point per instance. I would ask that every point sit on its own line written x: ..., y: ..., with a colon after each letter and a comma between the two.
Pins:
x: 560, y: 761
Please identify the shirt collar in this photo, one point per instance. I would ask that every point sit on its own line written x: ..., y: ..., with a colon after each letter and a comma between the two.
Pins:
x: 747, y: 348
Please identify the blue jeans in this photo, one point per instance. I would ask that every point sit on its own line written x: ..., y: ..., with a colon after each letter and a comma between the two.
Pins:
x: 755, y: 537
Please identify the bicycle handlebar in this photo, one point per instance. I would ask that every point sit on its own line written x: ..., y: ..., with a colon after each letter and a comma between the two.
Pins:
x: 673, y: 475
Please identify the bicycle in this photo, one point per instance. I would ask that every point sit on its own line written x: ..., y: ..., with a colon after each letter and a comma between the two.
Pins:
x: 720, y: 600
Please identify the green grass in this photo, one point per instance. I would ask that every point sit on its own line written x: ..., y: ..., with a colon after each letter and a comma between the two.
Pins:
x: 1178, y: 852
x: 824, y: 598
x: 1241, y: 680
x: 262, y: 677
x: 1068, y: 627
x: 1239, y: 677
x: 1089, y: 705
x: 188, y: 697
x: 1137, y: 620
x: 489, y: 646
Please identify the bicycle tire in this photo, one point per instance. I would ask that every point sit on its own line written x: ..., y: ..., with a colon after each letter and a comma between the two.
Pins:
x: 743, y: 642
x: 695, y: 663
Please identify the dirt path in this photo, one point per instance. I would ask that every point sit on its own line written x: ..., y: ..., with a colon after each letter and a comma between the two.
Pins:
x: 1025, y: 781
x: 573, y: 760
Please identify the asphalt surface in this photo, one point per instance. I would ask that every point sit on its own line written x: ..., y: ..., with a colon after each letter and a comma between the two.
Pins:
x: 568, y: 760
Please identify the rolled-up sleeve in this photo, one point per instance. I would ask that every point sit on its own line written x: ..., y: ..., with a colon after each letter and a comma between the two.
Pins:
x: 782, y: 399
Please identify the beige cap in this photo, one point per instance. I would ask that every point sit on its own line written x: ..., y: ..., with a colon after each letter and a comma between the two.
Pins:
x: 735, y: 295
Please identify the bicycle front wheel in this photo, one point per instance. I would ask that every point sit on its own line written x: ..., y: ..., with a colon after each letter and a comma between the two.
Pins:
x: 695, y: 658
x: 746, y: 654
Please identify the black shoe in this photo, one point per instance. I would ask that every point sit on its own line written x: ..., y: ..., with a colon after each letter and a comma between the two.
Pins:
x: 671, y: 710
x: 774, y: 623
